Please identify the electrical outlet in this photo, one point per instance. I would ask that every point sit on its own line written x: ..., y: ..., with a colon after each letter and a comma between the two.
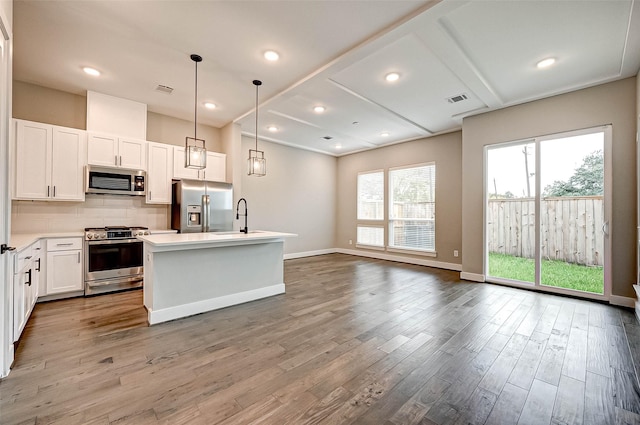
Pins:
x: 455, y: 252
x: 350, y: 242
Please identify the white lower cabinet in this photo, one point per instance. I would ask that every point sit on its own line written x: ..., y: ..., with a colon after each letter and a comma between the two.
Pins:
x: 26, y: 266
x: 64, y: 265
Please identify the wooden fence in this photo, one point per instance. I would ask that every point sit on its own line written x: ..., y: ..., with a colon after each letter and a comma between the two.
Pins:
x: 571, y: 228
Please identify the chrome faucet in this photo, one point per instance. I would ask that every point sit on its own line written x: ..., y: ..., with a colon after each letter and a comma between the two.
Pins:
x: 244, y: 229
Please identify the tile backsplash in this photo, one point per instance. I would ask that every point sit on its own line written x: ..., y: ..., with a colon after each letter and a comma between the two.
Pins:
x: 96, y: 211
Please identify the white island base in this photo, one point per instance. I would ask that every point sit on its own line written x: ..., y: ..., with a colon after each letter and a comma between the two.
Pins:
x: 187, y: 274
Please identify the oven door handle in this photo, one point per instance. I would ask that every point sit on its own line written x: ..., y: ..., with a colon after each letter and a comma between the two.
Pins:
x: 113, y: 241
x: 107, y: 282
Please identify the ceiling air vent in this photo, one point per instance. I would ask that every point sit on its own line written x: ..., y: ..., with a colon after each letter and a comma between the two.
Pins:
x: 327, y: 137
x: 458, y: 98
x: 164, y: 89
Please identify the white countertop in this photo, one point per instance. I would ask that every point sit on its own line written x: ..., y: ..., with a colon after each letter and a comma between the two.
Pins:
x: 177, y: 241
x: 23, y: 240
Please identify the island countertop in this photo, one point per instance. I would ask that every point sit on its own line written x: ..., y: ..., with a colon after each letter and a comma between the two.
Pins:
x: 180, y: 241
x: 192, y: 273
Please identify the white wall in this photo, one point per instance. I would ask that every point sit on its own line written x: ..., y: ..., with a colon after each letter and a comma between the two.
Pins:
x: 6, y: 12
x: 298, y: 195
x: 96, y: 211
x: 612, y: 103
x: 446, y: 151
x: 172, y: 131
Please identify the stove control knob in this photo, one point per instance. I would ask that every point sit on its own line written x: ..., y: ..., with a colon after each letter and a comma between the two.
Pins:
x: 103, y: 235
x: 146, y: 232
x: 89, y: 236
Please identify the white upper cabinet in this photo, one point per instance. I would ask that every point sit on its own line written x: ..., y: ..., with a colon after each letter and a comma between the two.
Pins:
x: 113, y: 151
x: 215, y: 171
x: 67, y: 163
x: 102, y: 150
x: 33, y: 160
x: 216, y: 167
x: 159, y: 173
x: 179, y: 170
x: 50, y: 162
x: 133, y: 154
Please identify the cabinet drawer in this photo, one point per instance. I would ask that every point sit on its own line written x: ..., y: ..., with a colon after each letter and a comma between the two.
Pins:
x: 22, y: 258
x: 36, y: 248
x: 63, y: 244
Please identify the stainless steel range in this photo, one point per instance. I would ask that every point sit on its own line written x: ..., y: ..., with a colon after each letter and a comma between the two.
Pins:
x: 113, y: 259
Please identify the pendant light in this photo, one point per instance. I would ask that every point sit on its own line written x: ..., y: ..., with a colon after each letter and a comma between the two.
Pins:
x: 195, y: 154
x: 257, y: 164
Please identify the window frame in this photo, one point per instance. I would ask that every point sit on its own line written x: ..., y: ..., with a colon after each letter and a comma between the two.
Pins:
x: 369, y: 222
x: 391, y: 220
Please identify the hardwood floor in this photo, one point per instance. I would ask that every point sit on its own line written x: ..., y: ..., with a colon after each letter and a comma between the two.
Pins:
x: 353, y: 340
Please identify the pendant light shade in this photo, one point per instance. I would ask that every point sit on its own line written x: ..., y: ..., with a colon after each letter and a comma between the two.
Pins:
x: 195, y: 154
x: 257, y: 164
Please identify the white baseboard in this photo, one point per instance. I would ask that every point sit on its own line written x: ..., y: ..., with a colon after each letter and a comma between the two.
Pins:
x: 637, y: 306
x: 55, y: 297
x: 177, y: 312
x: 474, y: 277
x: 401, y: 259
x: 622, y: 301
x: 309, y: 253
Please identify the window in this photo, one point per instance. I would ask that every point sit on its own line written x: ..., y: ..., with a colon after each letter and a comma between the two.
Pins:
x: 371, y: 208
x: 412, y: 207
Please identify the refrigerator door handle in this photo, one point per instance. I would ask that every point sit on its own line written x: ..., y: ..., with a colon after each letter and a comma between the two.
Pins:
x: 206, y: 202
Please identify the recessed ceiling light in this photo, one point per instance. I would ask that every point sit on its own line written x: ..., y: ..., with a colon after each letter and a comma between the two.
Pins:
x: 338, y: 146
x: 272, y: 128
x: 319, y: 109
x: 544, y: 63
x: 271, y: 55
x: 91, y: 71
x: 392, y: 76
x: 209, y: 105
x: 385, y: 134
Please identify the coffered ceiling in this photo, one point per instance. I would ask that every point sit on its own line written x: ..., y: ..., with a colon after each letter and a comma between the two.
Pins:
x: 332, y: 53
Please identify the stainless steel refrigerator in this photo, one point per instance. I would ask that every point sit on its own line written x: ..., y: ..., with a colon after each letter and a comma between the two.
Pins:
x: 199, y: 206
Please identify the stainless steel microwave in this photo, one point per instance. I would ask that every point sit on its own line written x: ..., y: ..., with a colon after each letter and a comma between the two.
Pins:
x: 115, y: 181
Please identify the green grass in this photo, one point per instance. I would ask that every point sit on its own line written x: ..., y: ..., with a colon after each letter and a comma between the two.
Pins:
x: 554, y: 273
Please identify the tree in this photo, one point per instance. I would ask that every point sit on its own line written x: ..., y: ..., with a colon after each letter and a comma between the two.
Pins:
x: 587, y: 179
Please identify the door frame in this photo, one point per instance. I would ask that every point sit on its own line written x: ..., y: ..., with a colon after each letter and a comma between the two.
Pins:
x: 608, y: 187
x: 6, y: 299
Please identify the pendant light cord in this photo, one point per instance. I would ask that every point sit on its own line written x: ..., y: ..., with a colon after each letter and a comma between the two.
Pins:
x: 257, y: 85
x: 195, y: 112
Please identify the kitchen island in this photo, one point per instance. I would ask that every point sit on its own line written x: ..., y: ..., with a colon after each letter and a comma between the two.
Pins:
x: 191, y: 273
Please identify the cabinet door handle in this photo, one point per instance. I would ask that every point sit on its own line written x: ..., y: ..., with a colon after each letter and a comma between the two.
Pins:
x: 78, y: 257
x: 116, y: 157
x: 48, y: 191
x: 28, y: 282
x: 64, y: 244
x: 120, y: 159
x: 38, y: 269
x: 28, y: 257
x: 54, y: 191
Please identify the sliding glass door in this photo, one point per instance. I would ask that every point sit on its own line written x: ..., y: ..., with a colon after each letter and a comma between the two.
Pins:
x: 511, y: 215
x: 546, y: 205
